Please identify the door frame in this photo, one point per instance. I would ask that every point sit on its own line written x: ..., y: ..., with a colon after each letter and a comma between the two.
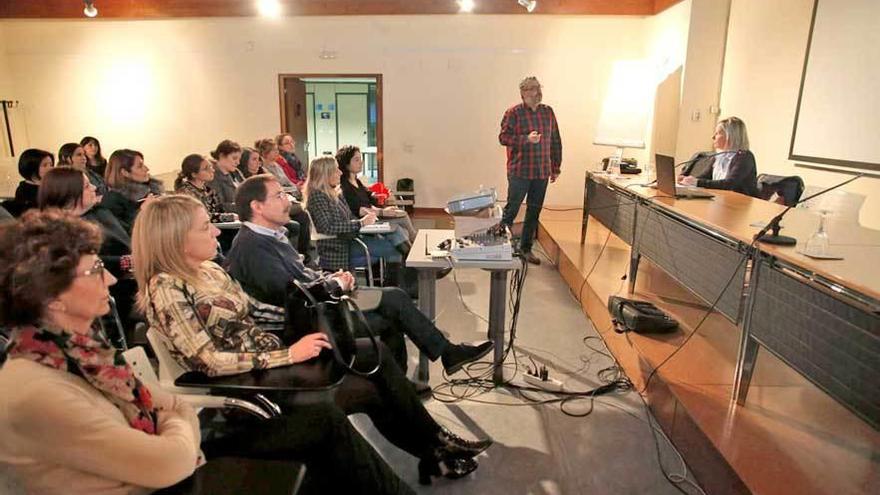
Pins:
x: 380, y: 155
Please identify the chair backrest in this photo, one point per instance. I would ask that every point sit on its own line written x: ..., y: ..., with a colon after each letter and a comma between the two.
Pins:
x: 405, y: 184
x: 789, y: 188
x: 136, y: 357
x: 169, y: 369
x: 316, y: 236
x: 839, y: 204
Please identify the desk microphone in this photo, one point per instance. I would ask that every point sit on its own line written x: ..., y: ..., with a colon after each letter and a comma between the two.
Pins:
x: 784, y: 240
x: 700, y: 156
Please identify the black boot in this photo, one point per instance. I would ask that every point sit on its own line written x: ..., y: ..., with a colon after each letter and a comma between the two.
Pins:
x: 439, y: 464
x: 454, y: 445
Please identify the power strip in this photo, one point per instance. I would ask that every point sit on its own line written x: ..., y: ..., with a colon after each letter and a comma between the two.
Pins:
x: 550, y: 384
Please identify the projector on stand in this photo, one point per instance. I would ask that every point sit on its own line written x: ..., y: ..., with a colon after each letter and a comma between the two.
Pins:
x: 479, y: 235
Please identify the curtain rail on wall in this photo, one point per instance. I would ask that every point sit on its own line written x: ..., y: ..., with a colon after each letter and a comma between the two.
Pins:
x: 7, y: 104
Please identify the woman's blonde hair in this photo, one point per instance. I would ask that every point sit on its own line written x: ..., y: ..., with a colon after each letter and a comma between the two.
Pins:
x: 157, y: 242
x: 735, y: 130
x: 321, y: 168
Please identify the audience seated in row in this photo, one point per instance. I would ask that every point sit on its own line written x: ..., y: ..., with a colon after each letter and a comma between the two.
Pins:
x: 130, y: 186
x: 195, y: 174
x: 263, y: 261
x: 192, y: 302
x: 288, y: 160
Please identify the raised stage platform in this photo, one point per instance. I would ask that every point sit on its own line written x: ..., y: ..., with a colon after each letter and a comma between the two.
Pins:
x: 789, y: 437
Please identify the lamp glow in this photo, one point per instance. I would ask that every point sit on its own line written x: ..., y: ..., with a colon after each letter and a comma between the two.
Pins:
x: 269, y: 8
x: 528, y: 4
x: 465, y: 5
x: 90, y: 10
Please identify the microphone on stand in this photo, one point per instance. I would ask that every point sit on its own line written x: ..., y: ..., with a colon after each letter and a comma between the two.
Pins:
x: 773, y: 226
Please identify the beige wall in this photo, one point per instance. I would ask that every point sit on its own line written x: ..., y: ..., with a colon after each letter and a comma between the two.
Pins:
x: 8, y: 170
x: 766, y: 43
x: 174, y: 87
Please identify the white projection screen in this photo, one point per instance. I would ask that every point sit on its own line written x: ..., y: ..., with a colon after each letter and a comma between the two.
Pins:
x: 838, y: 114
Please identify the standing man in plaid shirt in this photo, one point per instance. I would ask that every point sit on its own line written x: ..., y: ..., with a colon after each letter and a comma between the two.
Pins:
x: 534, y: 154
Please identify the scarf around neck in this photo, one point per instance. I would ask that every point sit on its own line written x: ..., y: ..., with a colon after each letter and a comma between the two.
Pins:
x: 92, y: 358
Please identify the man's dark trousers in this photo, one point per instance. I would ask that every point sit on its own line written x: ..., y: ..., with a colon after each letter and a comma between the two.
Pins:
x: 518, y: 189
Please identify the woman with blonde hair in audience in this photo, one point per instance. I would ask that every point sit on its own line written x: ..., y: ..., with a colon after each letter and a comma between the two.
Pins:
x: 195, y: 174
x: 74, y: 418
x: 74, y: 155
x: 288, y: 160
x: 96, y: 161
x: 33, y: 164
x: 214, y: 327
x: 128, y: 178
x: 332, y: 216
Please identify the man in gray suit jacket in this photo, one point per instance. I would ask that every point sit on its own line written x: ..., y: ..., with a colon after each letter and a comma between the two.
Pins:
x: 263, y: 261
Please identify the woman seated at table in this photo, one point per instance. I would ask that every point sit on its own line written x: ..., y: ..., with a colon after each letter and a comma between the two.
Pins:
x: 731, y: 166
x: 211, y: 324
x: 33, y: 164
x: 130, y: 186
x: 74, y: 419
x: 195, y: 174
x: 332, y: 216
x: 70, y: 190
x: 74, y: 155
x: 361, y: 200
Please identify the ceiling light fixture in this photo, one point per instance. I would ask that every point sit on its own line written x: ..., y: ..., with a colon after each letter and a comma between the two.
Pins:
x: 465, y: 5
x: 90, y: 10
x: 528, y: 4
x: 269, y: 8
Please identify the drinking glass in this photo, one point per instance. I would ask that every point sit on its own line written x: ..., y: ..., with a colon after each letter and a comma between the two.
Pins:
x: 818, y: 243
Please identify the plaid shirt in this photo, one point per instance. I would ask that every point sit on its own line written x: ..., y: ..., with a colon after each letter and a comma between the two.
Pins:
x: 524, y: 159
x: 333, y: 217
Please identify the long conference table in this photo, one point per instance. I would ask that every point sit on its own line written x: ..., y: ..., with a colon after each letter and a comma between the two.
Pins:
x: 821, y: 317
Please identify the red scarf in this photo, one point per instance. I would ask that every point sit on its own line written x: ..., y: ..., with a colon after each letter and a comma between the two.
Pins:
x: 94, y: 359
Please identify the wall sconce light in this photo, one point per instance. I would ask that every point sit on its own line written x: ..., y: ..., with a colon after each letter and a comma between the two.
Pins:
x: 465, y: 5
x: 528, y: 4
x: 90, y: 10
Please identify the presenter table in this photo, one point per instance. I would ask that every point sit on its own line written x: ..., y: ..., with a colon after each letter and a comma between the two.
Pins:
x: 420, y: 259
x: 821, y: 317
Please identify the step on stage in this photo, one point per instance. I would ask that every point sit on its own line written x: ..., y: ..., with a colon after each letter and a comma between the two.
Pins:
x: 789, y: 436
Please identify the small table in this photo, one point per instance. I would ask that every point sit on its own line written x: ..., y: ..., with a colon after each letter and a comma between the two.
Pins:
x: 420, y: 259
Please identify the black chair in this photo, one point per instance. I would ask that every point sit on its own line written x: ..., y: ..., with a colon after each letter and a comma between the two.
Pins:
x: 405, y: 195
x: 789, y: 188
x: 234, y: 476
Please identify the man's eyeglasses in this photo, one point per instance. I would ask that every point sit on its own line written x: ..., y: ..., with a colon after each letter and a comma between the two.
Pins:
x: 97, y: 269
x: 279, y: 195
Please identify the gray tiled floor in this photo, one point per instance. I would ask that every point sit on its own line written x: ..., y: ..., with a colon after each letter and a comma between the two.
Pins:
x: 538, y: 449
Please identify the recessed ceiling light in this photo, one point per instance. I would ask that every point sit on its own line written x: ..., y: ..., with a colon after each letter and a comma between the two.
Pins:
x: 465, y: 5
x: 269, y: 8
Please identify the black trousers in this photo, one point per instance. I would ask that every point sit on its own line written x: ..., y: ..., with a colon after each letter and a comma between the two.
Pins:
x: 337, y: 458
x: 397, y: 316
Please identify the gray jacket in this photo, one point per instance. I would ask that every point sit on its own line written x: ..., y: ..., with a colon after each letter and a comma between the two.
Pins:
x: 225, y: 185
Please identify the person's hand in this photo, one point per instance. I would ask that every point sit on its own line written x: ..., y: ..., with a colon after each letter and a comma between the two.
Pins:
x: 368, y: 219
x: 365, y: 211
x: 687, y: 180
x: 554, y: 176
x: 534, y: 137
x: 308, y: 347
x: 344, y: 279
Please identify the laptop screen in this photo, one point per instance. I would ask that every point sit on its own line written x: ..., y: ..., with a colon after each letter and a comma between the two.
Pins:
x: 665, y: 174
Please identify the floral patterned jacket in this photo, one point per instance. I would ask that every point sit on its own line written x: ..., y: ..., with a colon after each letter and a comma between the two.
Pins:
x: 214, y: 328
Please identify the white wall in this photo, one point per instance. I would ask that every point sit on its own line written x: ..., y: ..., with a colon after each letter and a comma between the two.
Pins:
x: 766, y: 43
x: 8, y: 169
x: 173, y: 87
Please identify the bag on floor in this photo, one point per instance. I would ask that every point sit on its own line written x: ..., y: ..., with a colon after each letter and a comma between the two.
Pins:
x: 630, y: 315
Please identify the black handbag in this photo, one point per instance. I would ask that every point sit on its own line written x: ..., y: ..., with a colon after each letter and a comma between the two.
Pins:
x: 311, y: 308
x: 639, y: 316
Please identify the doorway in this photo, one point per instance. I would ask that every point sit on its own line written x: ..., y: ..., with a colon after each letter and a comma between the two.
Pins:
x: 324, y: 112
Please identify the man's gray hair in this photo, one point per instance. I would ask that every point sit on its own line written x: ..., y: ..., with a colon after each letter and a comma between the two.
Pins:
x: 529, y: 82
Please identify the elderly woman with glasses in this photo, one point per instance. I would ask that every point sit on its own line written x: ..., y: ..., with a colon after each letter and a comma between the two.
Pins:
x: 84, y: 423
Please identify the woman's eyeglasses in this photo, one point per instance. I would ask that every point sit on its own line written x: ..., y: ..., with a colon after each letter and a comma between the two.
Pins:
x: 97, y: 269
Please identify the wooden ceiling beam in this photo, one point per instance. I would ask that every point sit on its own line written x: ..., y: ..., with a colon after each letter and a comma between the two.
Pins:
x: 158, y: 9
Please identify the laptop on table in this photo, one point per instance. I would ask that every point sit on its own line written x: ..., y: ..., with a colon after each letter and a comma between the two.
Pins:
x: 666, y: 181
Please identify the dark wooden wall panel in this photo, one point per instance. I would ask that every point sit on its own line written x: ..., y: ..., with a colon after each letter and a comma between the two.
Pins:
x: 138, y: 9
